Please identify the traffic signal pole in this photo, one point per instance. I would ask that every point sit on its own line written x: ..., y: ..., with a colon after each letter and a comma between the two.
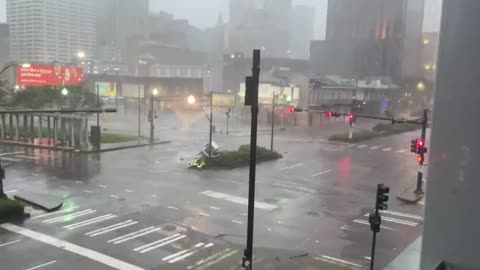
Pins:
x: 251, y: 98
x: 422, y: 154
x: 273, y: 120
x: 211, y: 124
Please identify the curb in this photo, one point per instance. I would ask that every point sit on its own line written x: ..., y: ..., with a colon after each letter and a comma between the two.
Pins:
x: 56, y: 148
x: 120, y: 148
x: 410, y: 196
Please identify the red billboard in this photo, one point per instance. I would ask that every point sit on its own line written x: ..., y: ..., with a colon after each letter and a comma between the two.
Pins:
x: 56, y: 75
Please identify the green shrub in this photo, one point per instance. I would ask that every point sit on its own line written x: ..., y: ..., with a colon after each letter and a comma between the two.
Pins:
x: 239, y: 158
x: 10, y: 208
x: 396, y: 128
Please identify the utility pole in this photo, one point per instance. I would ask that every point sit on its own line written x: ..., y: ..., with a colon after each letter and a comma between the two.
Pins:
x: 251, y: 98
x: 151, y: 118
x: 211, y: 124
x: 421, y: 153
x: 139, y: 109
x: 98, y: 104
x: 273, y: 120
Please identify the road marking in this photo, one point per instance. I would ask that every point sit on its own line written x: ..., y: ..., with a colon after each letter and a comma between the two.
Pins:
x: 156, y: 242
x: 88, y: 191
x: 70, y: 217
x: 67, y: 210
x: 218, y: 254
x: 401, y: 151
x: 238, y: 200
x: 171, y: 207
x: 181, y: 252
x: 351, y: 145
x: 10, y: 191
x: 362, y: 146
x: 402, y: 214
x: 42, y: 265
x: 79, y: 182
x: 209, y: 245
x: 11, y: 153
x: 128, y: 190
x: 111, y: 228
x: 133, y: 235
x: 375, y: 147
x: 399, y: 221
x: 340, y: 261
x: 163, y: 244
x: 236, y: 221
x: 88, y: 253
x: 63, y: 187
x: 203, y: 214
x: 102, y: 186
x: 217, y: 260
x: 365, y: 222
x: 10, y: 243
x: 114, y: 196
x: 214, y: 208
x: 367, y: 258
x: 154, y: 196
x: 290, y: 167
x: 320, y: 173
x: 387, y: 149
x: 89, y: 222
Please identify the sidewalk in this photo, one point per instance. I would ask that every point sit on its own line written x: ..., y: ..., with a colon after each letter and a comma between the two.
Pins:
x: 409, y: 258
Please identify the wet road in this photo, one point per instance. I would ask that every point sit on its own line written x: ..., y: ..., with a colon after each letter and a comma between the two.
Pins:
x: 313, y: 201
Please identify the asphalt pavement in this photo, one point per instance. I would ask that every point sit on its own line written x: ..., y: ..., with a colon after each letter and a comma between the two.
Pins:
x: 143, y: 208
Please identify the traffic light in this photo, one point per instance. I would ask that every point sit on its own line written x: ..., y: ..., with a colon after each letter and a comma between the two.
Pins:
x: 229, y: 113
x: 382, y: 197
x: 328, y: 114
x: 291, y: 109
x: 413, y: 146
x: 420, y: 159
x: 351, y: 119
x: 421, y: 149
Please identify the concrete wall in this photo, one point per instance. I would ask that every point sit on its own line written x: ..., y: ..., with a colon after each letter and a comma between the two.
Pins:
x: 452, y: 219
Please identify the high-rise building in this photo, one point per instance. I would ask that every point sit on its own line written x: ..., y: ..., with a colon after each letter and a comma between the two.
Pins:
x: 4, y: 44
x: 51, y: 30
x: 303, y: 20
x: 117, y: 21
x: 260, y: 24
x: 371, y: 38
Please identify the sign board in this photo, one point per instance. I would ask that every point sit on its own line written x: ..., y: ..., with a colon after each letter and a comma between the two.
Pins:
x: 131, y: 90
x: 223, y: 100
x: 106, y: 89
x: 56, y: 75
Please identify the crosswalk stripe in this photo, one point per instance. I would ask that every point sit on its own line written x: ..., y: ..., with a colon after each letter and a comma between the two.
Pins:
x: 70, y: 217
x: 375, y: 147
x: 401, y: 151
x: 399, y: 221
x: 215, y: 255
x: 238, y: 200
x: 162, y: 244
x: 130, y: 234
x: 402, y: 214
x: 156, y: 242
x: 362, y: 146
x: 167, y: 258
x: 340, y: 261
x: 365, y: 222
x: 111, y: 228
x: 89, y: 222
x: 67, y: 210
x: 387, y: 149
x: 135, y: 236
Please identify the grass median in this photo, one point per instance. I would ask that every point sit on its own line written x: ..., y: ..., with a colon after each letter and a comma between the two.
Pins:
x: 10, y: 208
x: 239, y: 158
x: 379, y: 130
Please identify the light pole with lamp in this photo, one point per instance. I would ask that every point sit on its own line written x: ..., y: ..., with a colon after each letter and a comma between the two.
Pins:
x: 191, y: 101
x: 152, y: 99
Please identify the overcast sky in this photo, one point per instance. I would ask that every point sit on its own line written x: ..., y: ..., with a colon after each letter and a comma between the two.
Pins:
x: 204, y: 13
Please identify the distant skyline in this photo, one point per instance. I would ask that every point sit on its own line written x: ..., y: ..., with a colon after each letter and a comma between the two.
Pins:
x: 204, y: 14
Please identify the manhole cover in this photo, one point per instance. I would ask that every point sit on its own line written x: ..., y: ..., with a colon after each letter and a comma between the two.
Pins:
x: 313, y: 214
x: 169, y: 228
x: 270, y: 200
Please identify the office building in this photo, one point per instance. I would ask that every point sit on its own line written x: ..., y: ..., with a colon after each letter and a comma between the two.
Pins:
x: 4, y: 44
x: 51, y: 30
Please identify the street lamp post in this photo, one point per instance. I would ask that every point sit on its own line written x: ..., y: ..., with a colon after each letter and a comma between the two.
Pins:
x: 273, y: 120
x: 139, y: 110
x: 211, y: 123
x: 191, y: 101
x: 98, y: 104
x: 152, y: 98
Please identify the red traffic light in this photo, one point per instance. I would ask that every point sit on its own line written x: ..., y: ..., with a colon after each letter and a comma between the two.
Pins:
x: 420, y: 143
x: 350, y: 116
x: 291, y: 109
x: 329, y: 114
